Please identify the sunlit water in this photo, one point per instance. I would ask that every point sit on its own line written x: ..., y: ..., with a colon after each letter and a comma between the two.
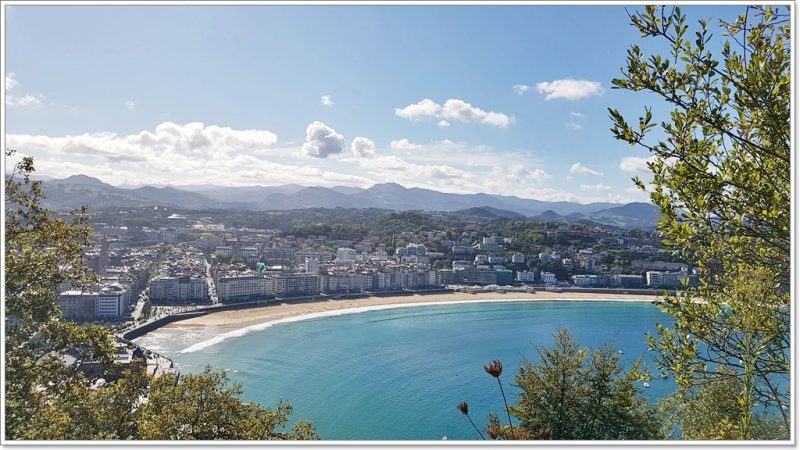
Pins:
x: 399, y: 373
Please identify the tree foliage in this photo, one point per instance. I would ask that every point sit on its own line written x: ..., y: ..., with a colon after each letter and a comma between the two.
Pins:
x: 577, y: 394
x: 48, y: 400
x: 721, y: 177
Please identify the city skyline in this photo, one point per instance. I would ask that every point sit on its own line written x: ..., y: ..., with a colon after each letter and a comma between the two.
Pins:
x: 500, y: 100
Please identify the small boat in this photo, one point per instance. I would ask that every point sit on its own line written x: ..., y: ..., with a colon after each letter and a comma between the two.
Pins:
x: 646, y: 384
x: 620, y: 352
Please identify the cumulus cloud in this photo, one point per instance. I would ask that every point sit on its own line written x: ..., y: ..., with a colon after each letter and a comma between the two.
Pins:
x: 25, y: 100
x: 322, y: 141
x: 363, y: 147
x: 635, y: 164
x: 595, y: 187
x: 443, y: 124
x: 577, y: 114
x: 573, y: 125
x: 326, y: 100
x: 175, y: 154
x: 168, y: 139
x: 420, y: 110
x: 521, y: 88
x: 580, y: 169
x: 11, y: 82
x: 130, y: 105
x: 569, y: 89
x: 453, y: 109
x: 404, y: 145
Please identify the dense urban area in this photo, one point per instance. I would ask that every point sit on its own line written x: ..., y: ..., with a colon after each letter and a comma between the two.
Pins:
x: 154, y: 261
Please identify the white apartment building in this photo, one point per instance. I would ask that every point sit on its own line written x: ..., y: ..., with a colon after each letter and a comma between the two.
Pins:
x: 548, y: 277
x: 181, y: 289
x: 518, y: 258
x: 656, y: 279
x: 345, y: 255
x: 312, y: 266
x: 295, y: 284
x: 527, y: 277
x: 112, y: 301
x: 244, y: 288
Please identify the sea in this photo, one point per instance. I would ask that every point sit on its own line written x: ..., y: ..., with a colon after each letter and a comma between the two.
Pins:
x: 398, y: 374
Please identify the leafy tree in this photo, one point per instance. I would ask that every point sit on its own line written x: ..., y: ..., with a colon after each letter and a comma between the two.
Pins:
x: 721, y: 177
x: 46, y: 399
x: 42, y: 252
x: 573, y: 393
x: 207, y: 406
x: 714, y: 412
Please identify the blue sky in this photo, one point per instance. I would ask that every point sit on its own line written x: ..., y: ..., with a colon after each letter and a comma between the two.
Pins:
x: 498, y: 99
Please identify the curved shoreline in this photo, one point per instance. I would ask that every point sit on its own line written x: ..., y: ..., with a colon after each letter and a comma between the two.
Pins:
x: 241, y: 322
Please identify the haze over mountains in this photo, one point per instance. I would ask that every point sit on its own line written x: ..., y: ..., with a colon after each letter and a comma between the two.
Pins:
x: 79, y: 190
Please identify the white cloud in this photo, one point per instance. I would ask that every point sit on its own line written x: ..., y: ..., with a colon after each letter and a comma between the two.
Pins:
x: 577, y: 114
x: 392, y: 168
x: 454, y: 109
x: 635, y: 164
x: 580, y: 169
x: 422, y: 109
x: 25, y: 101
x: 363, y: 147
x: 443, y: 124
x: 465, y: 112
x: 521, y: 89
x: 130, y: 104
x: 326, y: 100
x: 322, y: 141
x: 595, y: 187
x: 169, y: 139
x: 175, y: 154
x: 518, y: 174
x: 569, y: 89
x: 573, y: 125
x: 404, y: 145
x: 11, y: 82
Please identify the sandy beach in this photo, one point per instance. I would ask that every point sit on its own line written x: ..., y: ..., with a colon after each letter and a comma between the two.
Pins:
x: 230, y: 320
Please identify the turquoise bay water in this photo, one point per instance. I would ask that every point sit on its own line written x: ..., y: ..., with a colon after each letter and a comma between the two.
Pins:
x: 399, y: 373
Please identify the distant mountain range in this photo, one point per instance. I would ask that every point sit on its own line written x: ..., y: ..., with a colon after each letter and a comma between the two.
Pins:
x: 79, y: 190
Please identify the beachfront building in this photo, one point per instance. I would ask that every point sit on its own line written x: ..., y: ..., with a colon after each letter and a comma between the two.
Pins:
x: 387, y: 281
x: 345, y: 282
x: 666, y: 280
x: 235, y: 289
x: 294, y: 284
x: 548, y: 278
x: 178, y: 289
x: 626, y: 281
x: 525, y: 276
x: 475, y: 275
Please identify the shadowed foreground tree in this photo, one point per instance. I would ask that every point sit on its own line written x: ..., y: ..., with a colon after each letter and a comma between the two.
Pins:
x: 48, y: 400
x: 721, y: 177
